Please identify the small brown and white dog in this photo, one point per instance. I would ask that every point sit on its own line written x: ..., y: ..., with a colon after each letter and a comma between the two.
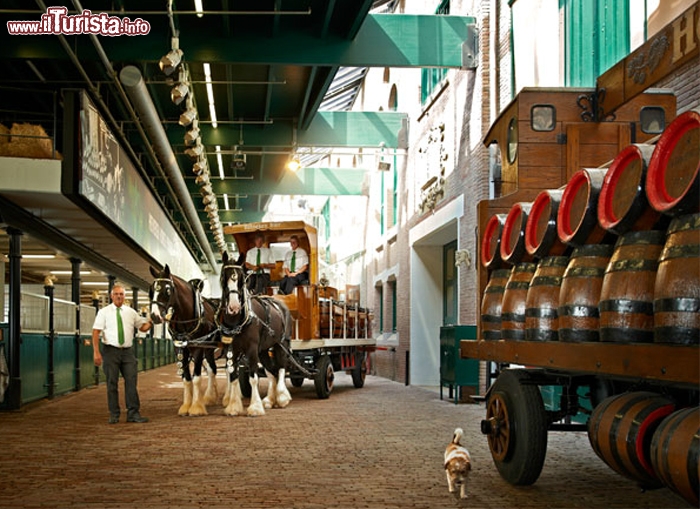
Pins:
x: 457, y: 465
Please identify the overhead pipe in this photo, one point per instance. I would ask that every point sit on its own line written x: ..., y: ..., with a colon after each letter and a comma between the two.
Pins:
x: 135, y: 87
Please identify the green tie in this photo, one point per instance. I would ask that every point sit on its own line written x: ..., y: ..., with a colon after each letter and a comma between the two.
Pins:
x: 257, y: 261
x: 120, y: 326
x: 294, y: 261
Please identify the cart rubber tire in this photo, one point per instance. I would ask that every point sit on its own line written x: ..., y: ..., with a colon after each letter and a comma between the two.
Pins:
x: 518, y: 443
x: 359, y: 372
x: 323, y: 380
x: 297, y: 381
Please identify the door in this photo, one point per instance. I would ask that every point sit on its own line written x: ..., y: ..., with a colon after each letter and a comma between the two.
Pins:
x: 450, y: 286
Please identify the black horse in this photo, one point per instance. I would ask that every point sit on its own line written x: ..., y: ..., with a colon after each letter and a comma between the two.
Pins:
x: 255, y: 330
x: 192, y: 324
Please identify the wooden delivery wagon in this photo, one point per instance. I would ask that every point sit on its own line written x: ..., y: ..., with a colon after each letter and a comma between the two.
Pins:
x: 589, y: 281
x: 332, y: 330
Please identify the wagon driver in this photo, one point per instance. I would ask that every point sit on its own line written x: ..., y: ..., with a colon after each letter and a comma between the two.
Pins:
x: 296, y: 267
x: 258, y: 260
x: 116, y: 324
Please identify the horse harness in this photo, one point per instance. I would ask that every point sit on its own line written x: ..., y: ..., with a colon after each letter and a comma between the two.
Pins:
x: 249, y: 316
x: 182, y: 339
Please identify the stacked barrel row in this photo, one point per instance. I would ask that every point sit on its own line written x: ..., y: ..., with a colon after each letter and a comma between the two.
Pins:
x: 612, y: 256
x: 649, y: 438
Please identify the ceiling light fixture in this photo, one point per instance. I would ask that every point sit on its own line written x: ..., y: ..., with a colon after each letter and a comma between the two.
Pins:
x: 202, y: 178
x: 196, y: 151
x: 39, y: 256
x: 220, y: 162
x: 172, y: 59
x: 294, y: 164
x: 226, y: 201
x: 199, y: 8
x: 210, y: 94
x: 192, y: 135
x: 179, y: 92
x: 200, y: 166
x: 188, y: 116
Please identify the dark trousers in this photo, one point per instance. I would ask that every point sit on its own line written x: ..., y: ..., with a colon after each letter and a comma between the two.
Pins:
x: 115, y: 361
x: 288, y: 284
x: 257, y: 283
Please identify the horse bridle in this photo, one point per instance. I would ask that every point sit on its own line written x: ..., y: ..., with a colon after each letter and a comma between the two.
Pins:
x: 244, y: 299
x: 182, y: 337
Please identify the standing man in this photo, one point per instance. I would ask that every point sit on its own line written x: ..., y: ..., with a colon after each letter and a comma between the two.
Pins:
x: 296, y: 267
x: 116, y: 324
x: 258, y: 261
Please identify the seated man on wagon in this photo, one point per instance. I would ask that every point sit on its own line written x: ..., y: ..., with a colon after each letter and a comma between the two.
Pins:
x: 258, y: 261
x: 296, y: 267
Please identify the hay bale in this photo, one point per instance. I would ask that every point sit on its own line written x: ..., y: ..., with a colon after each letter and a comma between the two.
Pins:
x: 4, y: 135
x: 28, y: 140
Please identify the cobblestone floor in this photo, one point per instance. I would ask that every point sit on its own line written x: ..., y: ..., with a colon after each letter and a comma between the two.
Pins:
x: 378, y: 447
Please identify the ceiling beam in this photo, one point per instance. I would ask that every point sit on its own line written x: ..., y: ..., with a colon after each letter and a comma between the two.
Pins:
x: 311, y: 181
x: 327, y: 129
x: 383, y: 40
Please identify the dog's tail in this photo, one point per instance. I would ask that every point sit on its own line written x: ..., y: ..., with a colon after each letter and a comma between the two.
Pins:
x: 457, y: 436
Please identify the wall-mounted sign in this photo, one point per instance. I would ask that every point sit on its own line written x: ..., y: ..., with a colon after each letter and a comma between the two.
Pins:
x: 110, y: 181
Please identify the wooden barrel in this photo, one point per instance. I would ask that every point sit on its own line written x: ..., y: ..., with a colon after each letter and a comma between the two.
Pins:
x: 514, y: 297
x: 577, y: 219
x: 675, y: 453
x: 541, y: 315
x: 620, y: 430
x: 622, y: 204
x: 580, y: 293
x: 541, y: 237
x: 330, y: 319
x: 677, y: 286
x: 513, y: 235
x: 491, y: 304
x: 491, y: 242
x: 627, y: 296
x: 673, y: 177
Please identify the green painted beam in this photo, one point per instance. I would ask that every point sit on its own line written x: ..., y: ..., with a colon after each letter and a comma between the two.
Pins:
x: 383, y: 40
x: 327, y: 129
x: 312, y: 181
x: 237, y: 216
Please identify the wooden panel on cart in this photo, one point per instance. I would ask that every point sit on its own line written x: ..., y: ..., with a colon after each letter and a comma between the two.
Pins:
x: 673, y: 364
x: 535, y: 138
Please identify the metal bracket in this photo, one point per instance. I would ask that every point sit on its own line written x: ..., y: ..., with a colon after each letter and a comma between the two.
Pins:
x: 592, y: 107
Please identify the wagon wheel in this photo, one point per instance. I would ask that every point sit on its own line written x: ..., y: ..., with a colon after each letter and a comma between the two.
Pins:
x: 516, y: 427
x: 359, y: 372
x: 323, y: 380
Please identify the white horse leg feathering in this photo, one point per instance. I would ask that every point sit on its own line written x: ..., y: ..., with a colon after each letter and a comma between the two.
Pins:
x: 186, y: 398
x: 271, y: 399
x: 197, y: 407
x: 255, y: 409
x: 235, y: 405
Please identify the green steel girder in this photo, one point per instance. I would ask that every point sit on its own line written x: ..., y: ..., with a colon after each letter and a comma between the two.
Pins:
x: 328, y: 129
x: 383, y: 40
x: 311, y: 181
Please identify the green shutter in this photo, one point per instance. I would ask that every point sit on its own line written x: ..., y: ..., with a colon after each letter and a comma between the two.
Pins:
x: 597, y: 35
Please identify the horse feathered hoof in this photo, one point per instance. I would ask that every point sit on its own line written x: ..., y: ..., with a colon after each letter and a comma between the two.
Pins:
x: 256, y: 412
